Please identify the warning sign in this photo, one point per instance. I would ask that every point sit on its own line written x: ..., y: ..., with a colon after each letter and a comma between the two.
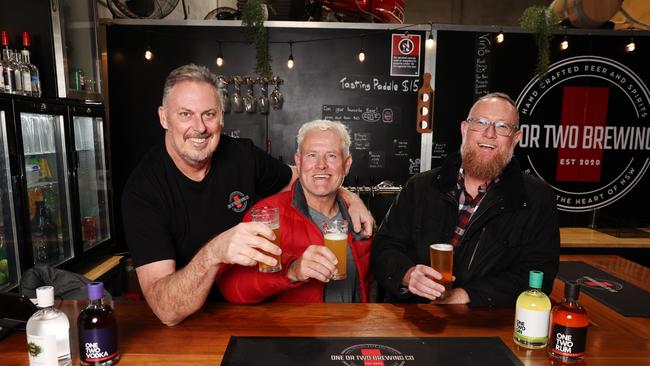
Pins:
x: 405, y: 55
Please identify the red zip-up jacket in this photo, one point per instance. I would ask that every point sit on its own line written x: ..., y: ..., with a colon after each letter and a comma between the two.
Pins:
x: 245, y: 285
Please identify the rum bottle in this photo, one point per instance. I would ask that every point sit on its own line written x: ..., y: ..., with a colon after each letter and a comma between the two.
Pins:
x: 48, y: 341
x: 568, y: 332
x: 97, y: 330
x: 532, y: 314
x: 35, y: 80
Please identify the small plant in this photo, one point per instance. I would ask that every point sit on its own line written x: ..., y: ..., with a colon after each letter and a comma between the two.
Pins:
x: 543, y: 23
x: 253, y: 17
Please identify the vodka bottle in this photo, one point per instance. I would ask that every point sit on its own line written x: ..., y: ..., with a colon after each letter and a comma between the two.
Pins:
x: 8, y: 66
x: 18, y: 75
x: 25, y: 74
x: 97, y: 330
x: 569, y: 322
x: 33, y: 70
x: 48, y: 342
x: 532, y: 314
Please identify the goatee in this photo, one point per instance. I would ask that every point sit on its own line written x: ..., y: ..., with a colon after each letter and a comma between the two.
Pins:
x: 478, y: 168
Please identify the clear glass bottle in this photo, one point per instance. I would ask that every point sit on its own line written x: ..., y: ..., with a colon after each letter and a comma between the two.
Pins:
x: 25, y: 74
x: 568, y: 331
x: 48, y: 339
x: 97, y: 330
x: 532, y: 314
x: 18, y: 74
x: 35, y: 79
x: 8, y: 66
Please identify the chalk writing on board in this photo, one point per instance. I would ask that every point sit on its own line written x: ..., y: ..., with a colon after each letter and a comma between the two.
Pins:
x: 401, y: 146
x: 379, y: 84
x: 361, y: 141
x: 376, y: 159
x: 351, y: 113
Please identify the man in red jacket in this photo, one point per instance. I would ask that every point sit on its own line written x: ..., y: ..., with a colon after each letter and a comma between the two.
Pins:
x: 322, y: 160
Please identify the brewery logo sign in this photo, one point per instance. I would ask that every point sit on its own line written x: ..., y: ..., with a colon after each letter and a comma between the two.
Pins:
x: 585, y: 129
x: 371, y: 354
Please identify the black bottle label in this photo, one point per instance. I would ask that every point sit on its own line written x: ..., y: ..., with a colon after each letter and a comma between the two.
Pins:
x: 98, y: 345
x: 568, y: 341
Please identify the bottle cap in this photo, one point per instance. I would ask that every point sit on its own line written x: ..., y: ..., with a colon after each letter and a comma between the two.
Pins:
x: 45, y: 296
x: 26, y: 42
x: 95, y: 290
x: 572, y: 290
x: 535, y: 279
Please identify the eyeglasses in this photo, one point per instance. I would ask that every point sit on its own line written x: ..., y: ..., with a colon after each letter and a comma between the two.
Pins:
x: 502, y: 128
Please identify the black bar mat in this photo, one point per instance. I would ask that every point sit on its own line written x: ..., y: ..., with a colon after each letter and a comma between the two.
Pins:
x: 625, y: 298
x: 624, y: 232
x: 330, y: 351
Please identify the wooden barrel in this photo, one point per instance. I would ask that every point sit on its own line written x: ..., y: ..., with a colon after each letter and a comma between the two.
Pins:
x: 586, y: 13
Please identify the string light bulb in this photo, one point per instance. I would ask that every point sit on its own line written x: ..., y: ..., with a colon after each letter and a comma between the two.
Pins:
x: 430, y: 41
x: 565, y: 44
x: 290, y: 60
x: 630, y: 47
x: 148, y: 54
x: 219, y: 60
x: 362, y: 55
x: 500, y: 37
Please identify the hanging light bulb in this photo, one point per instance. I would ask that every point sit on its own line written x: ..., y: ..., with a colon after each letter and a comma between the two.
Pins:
x: 148, y: 55
x: 630, y: 47
x: 429, y: 43
x: 565, y: 44
x: 219, y: 60
x: 290, y: 60
x: 362, y: 55
x: 500, y: 37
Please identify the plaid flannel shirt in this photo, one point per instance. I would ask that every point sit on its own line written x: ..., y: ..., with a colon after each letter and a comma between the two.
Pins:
x: 466, y: 205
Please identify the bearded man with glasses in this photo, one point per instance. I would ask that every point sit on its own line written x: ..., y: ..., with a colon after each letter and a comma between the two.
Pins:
x: 502, y: 222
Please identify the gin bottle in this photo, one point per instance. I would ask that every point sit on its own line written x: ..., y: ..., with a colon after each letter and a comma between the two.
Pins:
x: 97, y: 330
x: 48, y: 342
x: 532, y: 314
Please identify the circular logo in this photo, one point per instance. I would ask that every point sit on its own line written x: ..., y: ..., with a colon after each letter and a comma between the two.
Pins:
x: 585, y: 130
x: 238, y: 201
x: 371, y: 354
x: 406, y: 46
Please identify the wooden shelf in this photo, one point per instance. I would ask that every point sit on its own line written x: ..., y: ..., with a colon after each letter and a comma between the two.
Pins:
x: 584, y: 237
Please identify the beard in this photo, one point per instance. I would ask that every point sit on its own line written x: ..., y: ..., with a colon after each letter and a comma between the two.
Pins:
x: 483, y: 169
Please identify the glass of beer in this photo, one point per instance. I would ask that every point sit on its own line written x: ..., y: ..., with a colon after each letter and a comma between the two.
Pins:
x: 271, y: 217
x: 442, y: 260
x: 336, y: 240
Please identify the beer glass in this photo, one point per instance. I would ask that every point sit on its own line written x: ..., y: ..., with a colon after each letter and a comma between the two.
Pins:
x: 271, y: 217
x: 442, y: 260
x: 336, y: 240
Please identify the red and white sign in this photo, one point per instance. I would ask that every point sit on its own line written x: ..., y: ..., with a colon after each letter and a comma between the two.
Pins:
x: 405, y: 55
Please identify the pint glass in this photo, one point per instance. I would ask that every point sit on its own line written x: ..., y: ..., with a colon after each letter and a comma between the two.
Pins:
x: 442, y: 260
x: 271, y: 217
x: 336, y: 240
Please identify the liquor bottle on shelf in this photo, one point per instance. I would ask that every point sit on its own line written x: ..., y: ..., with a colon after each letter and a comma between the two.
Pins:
x: 532, y: 314
x: 48, y: 339
x: 35, y: 79
x: 18, y: 74
x: 97, y: 330
x: 8, y: 65
x: 568, y: 331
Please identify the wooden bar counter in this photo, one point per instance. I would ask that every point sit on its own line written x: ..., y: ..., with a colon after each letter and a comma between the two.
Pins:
x: 202, y: 339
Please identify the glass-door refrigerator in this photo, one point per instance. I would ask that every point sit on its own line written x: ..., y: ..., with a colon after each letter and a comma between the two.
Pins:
x: 10, y: 266
x: 45, y: 182
x: 90, y: 176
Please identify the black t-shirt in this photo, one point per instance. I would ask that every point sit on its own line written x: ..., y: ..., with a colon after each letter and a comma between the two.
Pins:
x: 168, y: 216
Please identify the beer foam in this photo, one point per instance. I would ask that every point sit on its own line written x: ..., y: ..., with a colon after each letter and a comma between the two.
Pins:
x: 443, y: 247
x: 336, y: 236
